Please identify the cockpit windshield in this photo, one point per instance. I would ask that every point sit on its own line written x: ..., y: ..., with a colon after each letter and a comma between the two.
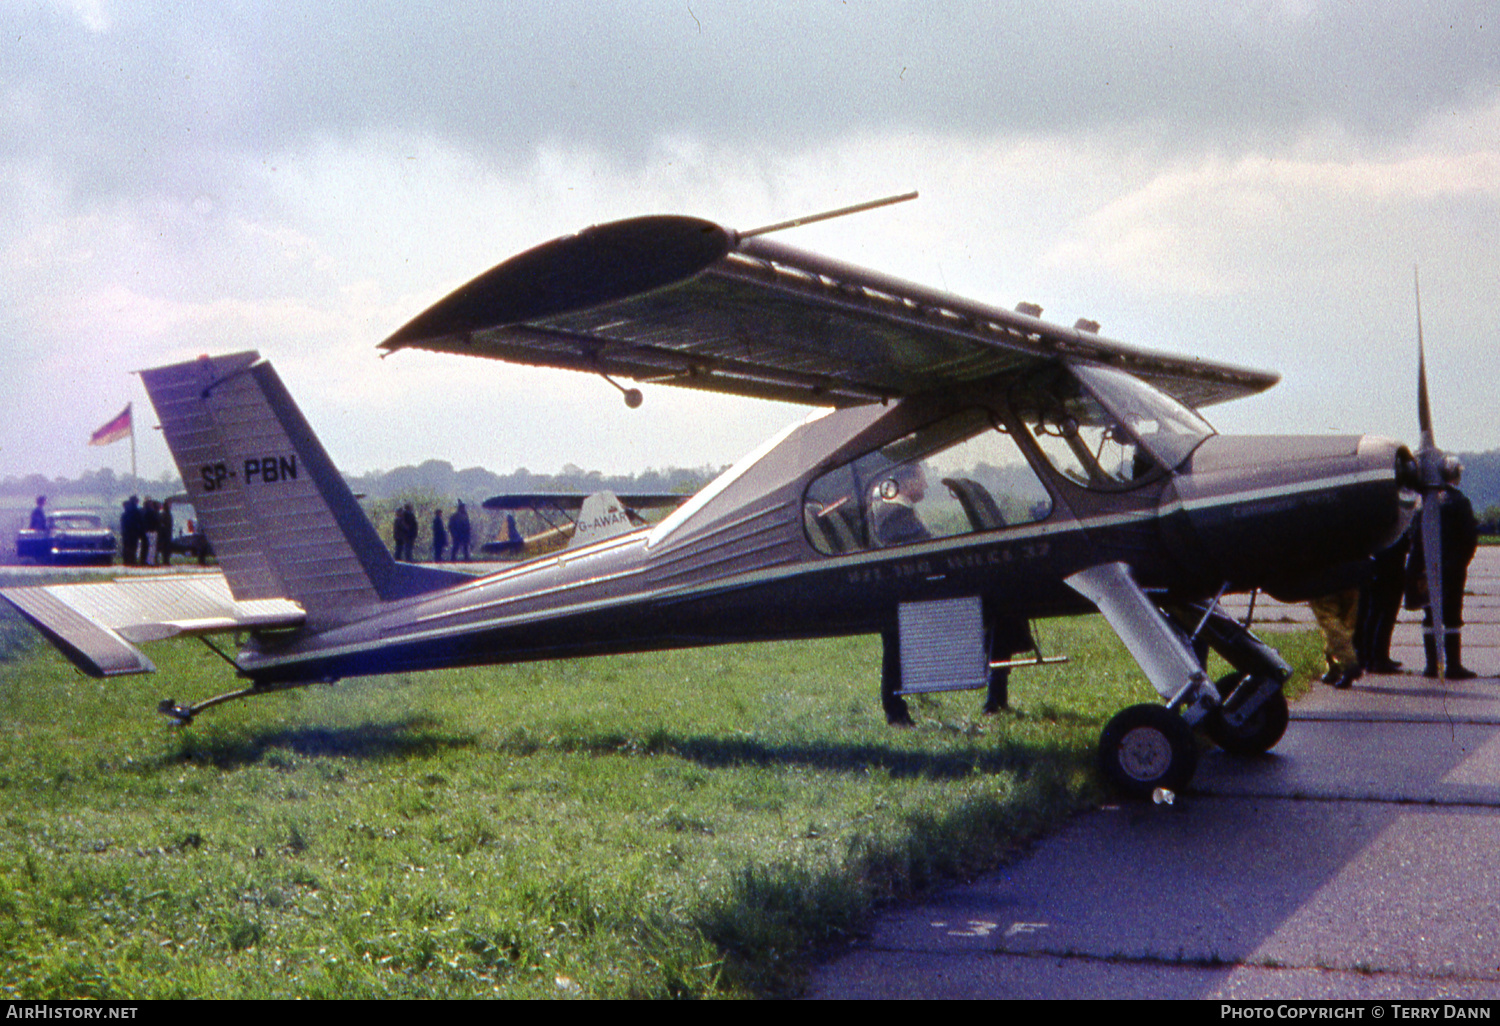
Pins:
x: 1105, y: 429
x: 1169, y: 429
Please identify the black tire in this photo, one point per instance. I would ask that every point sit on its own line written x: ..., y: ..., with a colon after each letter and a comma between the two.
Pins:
x: 1145, y: 747
x: 1257, y: 735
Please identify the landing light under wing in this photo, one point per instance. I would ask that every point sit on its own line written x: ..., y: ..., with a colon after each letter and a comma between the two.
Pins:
x: 682, y: 301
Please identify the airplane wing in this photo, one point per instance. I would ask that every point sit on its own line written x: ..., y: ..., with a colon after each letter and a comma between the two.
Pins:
x: 98, y: 625
x: 682, y: 301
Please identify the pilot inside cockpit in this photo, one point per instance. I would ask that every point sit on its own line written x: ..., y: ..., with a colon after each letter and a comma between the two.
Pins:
x: 894, y: 505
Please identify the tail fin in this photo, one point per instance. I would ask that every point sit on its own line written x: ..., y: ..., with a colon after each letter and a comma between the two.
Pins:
x: 281, y: 519
x: 602, y: 516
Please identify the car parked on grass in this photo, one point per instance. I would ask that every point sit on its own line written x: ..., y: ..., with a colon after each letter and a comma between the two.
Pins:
x: 71, y: 536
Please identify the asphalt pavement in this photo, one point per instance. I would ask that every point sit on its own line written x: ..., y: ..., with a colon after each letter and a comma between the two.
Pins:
x: 1359, y: 859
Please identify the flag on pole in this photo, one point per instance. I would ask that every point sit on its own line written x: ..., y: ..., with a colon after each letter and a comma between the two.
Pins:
x: 114, y: 430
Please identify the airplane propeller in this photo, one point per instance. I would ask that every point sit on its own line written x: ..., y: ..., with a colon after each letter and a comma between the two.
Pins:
x: 1430, y: 465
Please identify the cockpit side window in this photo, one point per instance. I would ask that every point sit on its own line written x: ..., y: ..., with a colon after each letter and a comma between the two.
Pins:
x: 957, y: 476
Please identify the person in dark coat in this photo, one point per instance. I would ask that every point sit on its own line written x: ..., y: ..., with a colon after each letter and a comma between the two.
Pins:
x: 1008, y: 637
x: 404, y: 533
x: 39, y: 514
x: 131, y: 531
x: 409, y: 518
x: 459, y: 529
x: 439, y: 536
x: 1380, y: 605
x: 148, y: 530
x: 164, y: 534
x: 1459, y: 536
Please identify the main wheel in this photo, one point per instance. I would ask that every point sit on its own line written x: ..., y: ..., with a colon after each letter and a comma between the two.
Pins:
x: 1145, y: 747
x: 1259, y: 733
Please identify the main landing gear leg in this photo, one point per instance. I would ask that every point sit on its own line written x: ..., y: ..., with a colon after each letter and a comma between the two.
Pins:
x: 1252, y: 713
x: 1147, y: 746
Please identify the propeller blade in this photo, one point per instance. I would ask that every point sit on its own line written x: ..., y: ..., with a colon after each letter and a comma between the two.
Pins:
x: 1430, y: 464
x: 1424, y: 406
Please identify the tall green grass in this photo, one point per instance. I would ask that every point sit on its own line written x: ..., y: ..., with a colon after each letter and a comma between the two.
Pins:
x: 680, y: 824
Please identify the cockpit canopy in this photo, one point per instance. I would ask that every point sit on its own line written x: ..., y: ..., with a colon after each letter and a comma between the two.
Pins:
x: 1099, y: 428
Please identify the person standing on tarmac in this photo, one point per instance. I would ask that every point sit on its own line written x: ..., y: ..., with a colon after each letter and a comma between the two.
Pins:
x: 1380, y: 605
x: 1335, y: 614
x: 1458, y: 532
x: 459, y: 531
x: 131, y: 530
x: 439, y: 536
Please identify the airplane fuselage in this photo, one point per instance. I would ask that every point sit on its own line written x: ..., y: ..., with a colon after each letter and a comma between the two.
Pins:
x: 746, y: 562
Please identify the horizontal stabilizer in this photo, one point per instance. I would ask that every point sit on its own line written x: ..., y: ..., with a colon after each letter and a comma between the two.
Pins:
x: 98, y: 625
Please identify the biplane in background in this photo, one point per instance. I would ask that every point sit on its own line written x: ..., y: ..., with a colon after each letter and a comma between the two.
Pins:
x: 966, y: 470
x: 570, y: 518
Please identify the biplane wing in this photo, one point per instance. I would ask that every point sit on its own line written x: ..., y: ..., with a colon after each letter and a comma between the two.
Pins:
x: 682, y: 301
x: 98, y: 625
x: 572, y: 502
x: 581, y: 517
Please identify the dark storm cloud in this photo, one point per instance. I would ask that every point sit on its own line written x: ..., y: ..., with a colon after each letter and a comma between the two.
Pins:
x: 163, y: 94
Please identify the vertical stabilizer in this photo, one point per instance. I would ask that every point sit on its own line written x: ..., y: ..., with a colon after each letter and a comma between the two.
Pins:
x: 602, y: 516
x: 280, y: 517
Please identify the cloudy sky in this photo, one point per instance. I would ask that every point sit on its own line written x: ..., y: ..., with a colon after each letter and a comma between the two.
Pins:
x: 1252, y: 182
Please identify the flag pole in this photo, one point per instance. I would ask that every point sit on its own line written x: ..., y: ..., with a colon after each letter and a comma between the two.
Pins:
x: 130, y: 409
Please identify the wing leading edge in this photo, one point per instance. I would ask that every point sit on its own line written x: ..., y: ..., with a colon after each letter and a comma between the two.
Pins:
x: 681, y: 301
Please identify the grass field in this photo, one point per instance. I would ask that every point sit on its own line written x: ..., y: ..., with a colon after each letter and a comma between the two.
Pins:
x: 686, y: 824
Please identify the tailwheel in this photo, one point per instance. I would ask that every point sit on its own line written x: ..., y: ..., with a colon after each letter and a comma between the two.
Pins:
x: 1146, y: 747
x: 180, y: 715
x: 1261, y: 729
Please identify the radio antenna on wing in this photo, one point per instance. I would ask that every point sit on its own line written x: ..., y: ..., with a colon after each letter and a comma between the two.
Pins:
x: 828, y: 215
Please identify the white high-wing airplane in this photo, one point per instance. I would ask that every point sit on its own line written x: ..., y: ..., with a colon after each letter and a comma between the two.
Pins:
x: 966, y: 470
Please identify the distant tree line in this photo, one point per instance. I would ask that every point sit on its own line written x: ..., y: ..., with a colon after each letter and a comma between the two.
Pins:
x: 434, y: 484
x: 474, y: 485
x: 1481, y: 484
x: 99, y: 488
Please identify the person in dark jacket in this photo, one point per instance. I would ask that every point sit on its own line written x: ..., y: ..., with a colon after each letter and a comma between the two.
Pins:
x: 1459, y: 536
x: 39, y: 514
x: 131, y: 531
x: 404, y: 534
x: 459, y: 530
x: 439, y: 536
x: 164, y: 534
x: 1380, y: 605
x: 148, y: 530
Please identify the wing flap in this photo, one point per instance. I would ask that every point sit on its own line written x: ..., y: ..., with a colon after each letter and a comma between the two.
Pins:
x: 684, y: 302
x: 97, y: 625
